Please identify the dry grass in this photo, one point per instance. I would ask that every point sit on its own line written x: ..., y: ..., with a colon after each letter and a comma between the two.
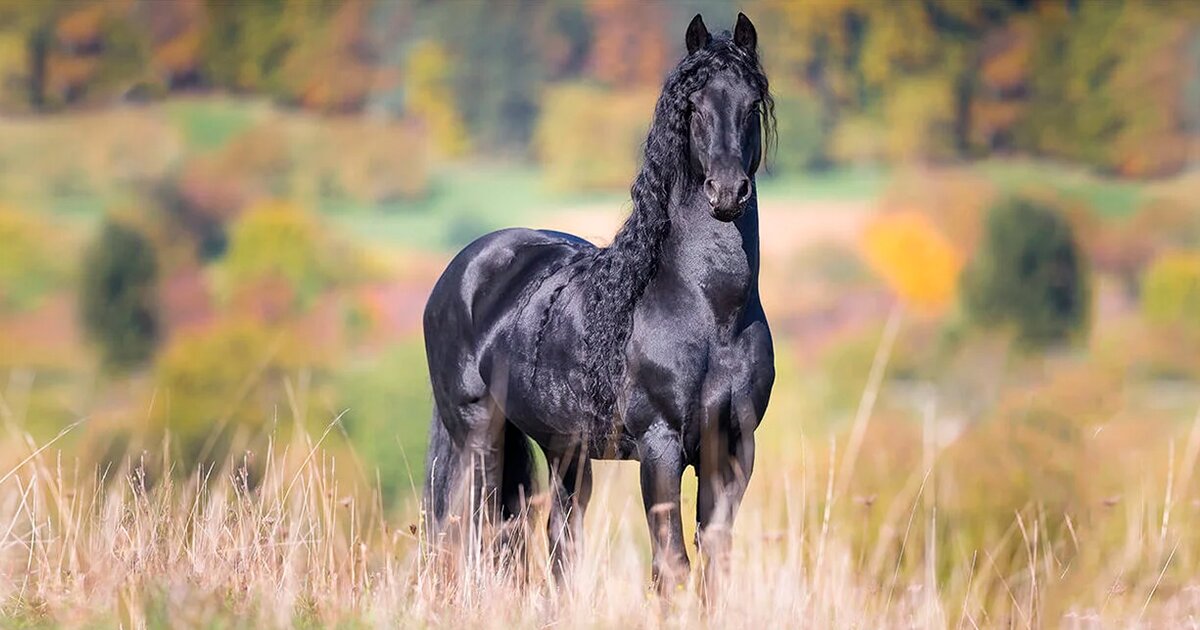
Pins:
x: 294, y: 550
x: 897, y: 524
x: 288, y: 544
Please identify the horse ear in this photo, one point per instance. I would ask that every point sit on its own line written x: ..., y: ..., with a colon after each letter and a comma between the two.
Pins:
x: 697, y: 35
x: 744, y: 34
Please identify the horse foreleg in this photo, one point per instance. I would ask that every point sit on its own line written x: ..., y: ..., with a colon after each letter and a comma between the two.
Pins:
x: 662, y: 469
x: 570, y: 491
x: 726, y: 462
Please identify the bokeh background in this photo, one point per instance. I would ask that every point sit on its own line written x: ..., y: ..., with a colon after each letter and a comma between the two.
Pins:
x: 219, y: 221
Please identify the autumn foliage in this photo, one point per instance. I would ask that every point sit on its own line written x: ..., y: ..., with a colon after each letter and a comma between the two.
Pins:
x: 918, y: 263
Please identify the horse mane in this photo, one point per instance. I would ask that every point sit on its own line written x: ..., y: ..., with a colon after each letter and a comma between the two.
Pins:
x: 619, y: 274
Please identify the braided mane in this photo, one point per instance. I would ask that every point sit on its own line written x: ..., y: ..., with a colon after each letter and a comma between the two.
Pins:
x: 617, y: 275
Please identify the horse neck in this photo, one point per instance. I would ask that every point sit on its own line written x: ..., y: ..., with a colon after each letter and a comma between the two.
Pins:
x: 713, y: 261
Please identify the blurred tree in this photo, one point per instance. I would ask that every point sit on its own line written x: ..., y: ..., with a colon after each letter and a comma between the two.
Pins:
x: 1029, y: 273
x: 246, y: 44
x: 1105, y: 83
x: 1001, y: 85
x: 28, y: 33
x: 177, y: 31
x: 1107, y: 86
x: 429, y: 96
x: 803, y: 137
x: 631, y: 44
x: 104, y: 38
x: 29, y: 265
x: 1111, y: 84
x: 330, y: 64
x: 279, y: 260
x: 229, y: 381
x: 919, y: 119
x: 567, y: 38
x: 497, y: 49
x: 886, y: 75
x: 1171, y: 290
x: 119, y: 295
x: 587, y: 137
x: 317, y: 53
x: 72, y: 51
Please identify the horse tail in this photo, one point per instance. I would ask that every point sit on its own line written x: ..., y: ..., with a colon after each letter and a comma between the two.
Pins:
x: 443, y: 474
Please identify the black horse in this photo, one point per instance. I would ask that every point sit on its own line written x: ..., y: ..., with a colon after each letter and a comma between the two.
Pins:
x: 654, y: 348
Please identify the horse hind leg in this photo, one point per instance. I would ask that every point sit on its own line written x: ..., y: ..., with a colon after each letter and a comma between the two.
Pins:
x: 570, y: 492
x: 516, y: 490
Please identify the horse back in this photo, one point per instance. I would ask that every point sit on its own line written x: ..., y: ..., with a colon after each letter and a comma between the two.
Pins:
x: 490, y: 310
x: 486, y: 277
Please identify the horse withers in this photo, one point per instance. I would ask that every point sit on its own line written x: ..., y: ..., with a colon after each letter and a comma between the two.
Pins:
x: 654, y: 349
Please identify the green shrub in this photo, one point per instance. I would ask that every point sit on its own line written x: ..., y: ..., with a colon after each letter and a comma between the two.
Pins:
x: 1171, y: 290
x: 119, y: 296
x: 29, y: 264
x: 1029, y: 274
x: 231, y: 380
x: 277, y: 242
x: 389, y: 405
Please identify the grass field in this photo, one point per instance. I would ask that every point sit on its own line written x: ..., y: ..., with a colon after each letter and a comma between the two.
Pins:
x: 967, y: 485
x: 300, y: 547
x: 875, y: 526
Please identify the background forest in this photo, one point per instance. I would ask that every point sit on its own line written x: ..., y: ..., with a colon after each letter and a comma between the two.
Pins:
x: 219, y: 222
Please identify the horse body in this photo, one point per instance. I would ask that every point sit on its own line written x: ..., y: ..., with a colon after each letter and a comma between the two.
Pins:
x: 507, y: 338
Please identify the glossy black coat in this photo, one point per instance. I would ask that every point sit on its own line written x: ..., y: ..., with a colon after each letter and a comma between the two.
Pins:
x: 504, y: 327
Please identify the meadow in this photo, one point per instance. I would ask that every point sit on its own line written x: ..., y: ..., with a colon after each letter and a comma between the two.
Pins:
x: 265, y: 469
x: 1096, y: 528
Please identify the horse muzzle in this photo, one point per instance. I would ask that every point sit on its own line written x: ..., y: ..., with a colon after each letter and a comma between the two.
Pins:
x: 728, y: 197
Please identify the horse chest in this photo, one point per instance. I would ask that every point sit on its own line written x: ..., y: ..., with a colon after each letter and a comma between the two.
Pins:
x: 686, y: 363
x: 719, y: 278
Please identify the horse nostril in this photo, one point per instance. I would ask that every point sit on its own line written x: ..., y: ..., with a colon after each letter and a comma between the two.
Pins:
x: 710, y: 191
x: 743, y: 191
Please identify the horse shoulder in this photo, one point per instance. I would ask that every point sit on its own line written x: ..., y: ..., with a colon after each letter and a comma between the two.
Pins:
x: 757, y: 368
